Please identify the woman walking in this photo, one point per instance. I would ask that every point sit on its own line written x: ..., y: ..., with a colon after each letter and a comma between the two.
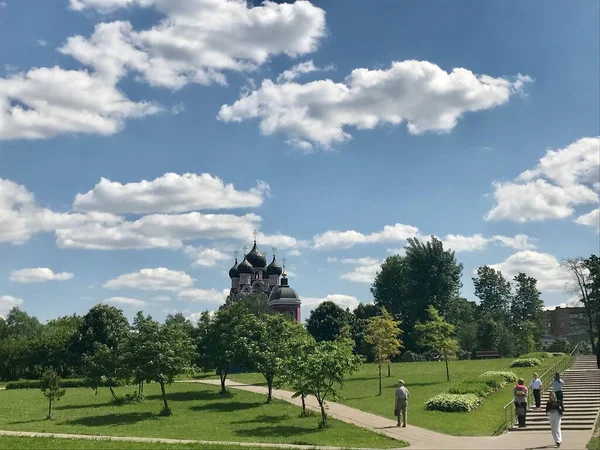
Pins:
x: 554, y: 410
x: 520, y: 394
x: 536, y: 385
x: 557, y: 385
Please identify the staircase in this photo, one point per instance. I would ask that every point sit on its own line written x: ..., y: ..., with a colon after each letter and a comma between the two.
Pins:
x: 581, y: 399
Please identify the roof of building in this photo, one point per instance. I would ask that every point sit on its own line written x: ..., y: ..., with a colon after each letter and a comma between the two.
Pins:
x: 234, y: 272
x: 245, y: 266
x: 274, y: 268
x: 256, y: 258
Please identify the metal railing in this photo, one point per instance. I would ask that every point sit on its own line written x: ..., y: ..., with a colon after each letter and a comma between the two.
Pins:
x: 510, y: 413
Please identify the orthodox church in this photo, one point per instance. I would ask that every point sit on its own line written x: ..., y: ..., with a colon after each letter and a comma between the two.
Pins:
x: 254, y: 276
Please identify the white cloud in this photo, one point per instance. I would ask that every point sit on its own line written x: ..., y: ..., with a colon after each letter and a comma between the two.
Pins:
x: 38, y: 275
x: 562, y: 179
x: 125, y: 301
x: 542, y: 266
x: 591, y: 219
x: 205, y: 257
x: 41, y: 42
x: 364, y: 271
x: 7, y: 303
x: 346, y: 239
x: 299, y: 69
x: 46, y: 102
x: 169, y: 193
x: 204, y: 295
x: 159, y: 279
x: 478, y: 242
x: 161, y: 298
x: 197, y: 40
x: 419, y: 93
x: 345, y: 301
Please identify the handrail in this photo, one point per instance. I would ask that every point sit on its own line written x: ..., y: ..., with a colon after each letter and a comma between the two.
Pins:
x: 510, y: 413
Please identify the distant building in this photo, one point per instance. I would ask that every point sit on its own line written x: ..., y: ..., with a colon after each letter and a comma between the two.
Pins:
x: 569, y: 322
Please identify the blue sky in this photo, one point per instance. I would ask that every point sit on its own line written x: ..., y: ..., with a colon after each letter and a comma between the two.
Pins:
x: 343, y: 127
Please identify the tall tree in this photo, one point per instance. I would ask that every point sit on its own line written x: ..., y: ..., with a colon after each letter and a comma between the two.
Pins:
x: 464, y: 315
x: 494, y: 294
x: 326, y: 321
x: 592, y: 264
x: 295, y: 367
x: 527, y: 309
x: 426, y: 276
x: 438, y: 334
x: 362, y: 313
x: 51, y: 389
x: 382, y: 333
x: 20, y: 325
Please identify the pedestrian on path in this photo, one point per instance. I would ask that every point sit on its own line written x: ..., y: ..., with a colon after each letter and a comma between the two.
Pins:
x: 536, y: 385
x: 520, y: 395
x: 554, y: 410
x: 557, y: 385
x: 402, y: 396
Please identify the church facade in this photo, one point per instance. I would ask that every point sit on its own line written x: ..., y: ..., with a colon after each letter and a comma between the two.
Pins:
x: 254, y: 276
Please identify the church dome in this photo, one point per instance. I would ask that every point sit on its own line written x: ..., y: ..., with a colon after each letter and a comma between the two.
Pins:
x: 256, y: 258
x: 245, y: 266
x: 234, y: 272
x: 274, y: 268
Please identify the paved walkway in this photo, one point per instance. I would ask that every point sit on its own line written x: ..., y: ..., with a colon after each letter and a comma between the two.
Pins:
x: 420, y: 438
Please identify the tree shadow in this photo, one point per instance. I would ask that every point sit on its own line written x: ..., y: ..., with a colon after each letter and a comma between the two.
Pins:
x: 264, y: 418
x: 425, y: 383
x: 112, y: 419
x: 97, y: 405
x: 277, y: 430
x: 226, y: 407
x: 192, y: 395
x: 20, y: 422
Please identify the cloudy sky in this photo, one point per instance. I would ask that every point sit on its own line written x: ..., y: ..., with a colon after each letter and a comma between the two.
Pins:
x: 143, y: 141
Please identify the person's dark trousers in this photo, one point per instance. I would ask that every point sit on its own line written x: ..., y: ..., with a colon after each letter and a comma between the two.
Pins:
x: 559, y: 397
x: 521, y: 409
x: 538, y: 398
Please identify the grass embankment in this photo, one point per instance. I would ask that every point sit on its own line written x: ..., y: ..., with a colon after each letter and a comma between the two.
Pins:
x: 199, y: 412
x: 425, y: 380
x: 594, y: 443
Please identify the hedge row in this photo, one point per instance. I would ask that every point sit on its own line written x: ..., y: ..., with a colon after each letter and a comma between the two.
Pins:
x: 37, y: 384
x: 510, y: 377
x: 537, y: 355
x: 526, y: 362
x: 453, y: 402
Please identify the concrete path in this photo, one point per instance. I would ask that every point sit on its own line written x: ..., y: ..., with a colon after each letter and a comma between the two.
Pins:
x: 420, y: 438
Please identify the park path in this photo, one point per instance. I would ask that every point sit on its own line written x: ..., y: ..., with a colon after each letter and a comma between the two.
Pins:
x: 420, y: 438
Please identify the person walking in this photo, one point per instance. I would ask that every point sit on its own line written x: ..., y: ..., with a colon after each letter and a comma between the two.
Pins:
x: 520, y: 397
x: 554, y: 411
x: 557, y: 385
x: 402, y: 396
x: 536, y: 385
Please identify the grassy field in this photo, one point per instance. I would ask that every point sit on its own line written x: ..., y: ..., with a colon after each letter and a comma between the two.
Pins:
x: 424, y: 380
x: 594, y: 443
x: 199, y: 412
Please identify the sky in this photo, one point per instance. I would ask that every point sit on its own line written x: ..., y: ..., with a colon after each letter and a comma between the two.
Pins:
x: 143, y: 142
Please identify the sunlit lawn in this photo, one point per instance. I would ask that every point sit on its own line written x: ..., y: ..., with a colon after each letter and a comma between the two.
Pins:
x: 200, y: 412
x: 425, y: 380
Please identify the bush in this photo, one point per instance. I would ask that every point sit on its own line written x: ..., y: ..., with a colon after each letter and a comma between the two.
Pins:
x: 494, y: 383
x: 453, y: 402
x: 538, y: 355
x: 561, y: 345
x: 561, y: 354
x: 413, y: 357
x: 526, y: 362
x: 36, y: 384
x: 510, y: 377
x: 482, y: 386
x: 585, y: 348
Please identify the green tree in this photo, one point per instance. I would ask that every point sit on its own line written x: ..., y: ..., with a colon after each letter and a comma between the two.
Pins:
x: 295, y: 368
x: 54, y: 340
x: 326, y: 321
x: 559, y: 345
x: 464, y: 315
x: 50, y: 386
x: 527, y: 309
x: 438, y: 335
x: 257, y: 304
x: 406, y: 285
x: 362, y: 313
x: 592, y: 264
x: 382, y: 333
x: 494, y: 294
x: 159, y: 353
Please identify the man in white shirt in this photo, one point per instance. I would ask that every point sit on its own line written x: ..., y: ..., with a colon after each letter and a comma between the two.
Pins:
x: 536, y: 385
x: 402, y: 396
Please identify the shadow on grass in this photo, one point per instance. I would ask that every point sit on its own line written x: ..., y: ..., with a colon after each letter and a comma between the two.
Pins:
x: 276, y: 431
x: 192, y: 395
x: 97, y: 405
x: 112, y: 419
x: 226, y: 407
x: 263, y: 418
x: 28, y: 421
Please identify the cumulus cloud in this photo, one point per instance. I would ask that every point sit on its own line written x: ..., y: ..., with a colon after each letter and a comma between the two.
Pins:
x: 125, y: 301
x: 364, y: 270
x: 346, y: 239
x: 345, y: 301
x: 591, y: 219
x: 205, y: 257
x: 299, y: 69
x: 196, y: 41
x: 478, y: 242
x: 8, y: 302
x: 419, y: 93
x: 49, y: 101
x: 563, y: 179
x: 542, y: 266
x: 38, y: 275
x: 204, y: 295
x: 159, y: 279
x: 170, y: 193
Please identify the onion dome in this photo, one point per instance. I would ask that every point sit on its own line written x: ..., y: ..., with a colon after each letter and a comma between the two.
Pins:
x: 256, y: 258
x: 284, y: 294
x: 233, y: 272
x: 245, y: 266
x: 274, y: 268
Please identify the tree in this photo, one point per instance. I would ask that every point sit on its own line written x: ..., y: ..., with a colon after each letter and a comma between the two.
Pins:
x: 107, y: 366
x: 592, y: 264
x: 322, y: 367
x: 50, y: 386
x: 494, y: 294
x: 20, y: 325
x: 407, y: 285
x: 559, y: 345
x: 362, y: 313
x: 464, y: 315
x: 438, y: 335
x: 326, y: 321
x: 382, y: 333
x: 295, y: 368
x: 159, y: 353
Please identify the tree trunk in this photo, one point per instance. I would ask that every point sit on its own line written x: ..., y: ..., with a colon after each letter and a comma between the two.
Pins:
x: 447, y: 370
x: 303, y: 397
x: 389, y: 369
x: 223, y: 376
x: 269, y: 389
x: 379, y: 367
x: 49, y: 408
x: 112, y: 392
x: 323, y: 413
x: 164, y: 397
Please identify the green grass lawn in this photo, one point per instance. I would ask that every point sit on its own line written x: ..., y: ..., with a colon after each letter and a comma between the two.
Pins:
x: 199, y: 412
x: 424, y: 380
x: 594, y: 443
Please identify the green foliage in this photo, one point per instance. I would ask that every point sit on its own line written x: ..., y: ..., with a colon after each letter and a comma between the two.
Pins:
x: 438, y: 335
x: 538, y: 355
x: 494, y: 294
x: 50, y: 387
x: 561, y: 345
x: 526, y: 362
x: 527, y: 311
x: 326, y: 321
x: 409, y: 356
x: 65, y: 383
x: 584, y: 348
x: 361, y: 315
x: 453, y: 402
x: 510, y: 377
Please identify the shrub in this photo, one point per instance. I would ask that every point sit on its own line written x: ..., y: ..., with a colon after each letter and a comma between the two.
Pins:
x: 479, y: 388
x: 453, y: 402
x: 561, y: 354
x: 36, y: 384
x: 510, y: 377
x: 538, y: 355
x: 413, y: 357
x: 494, y: 383
x: 526, y: 362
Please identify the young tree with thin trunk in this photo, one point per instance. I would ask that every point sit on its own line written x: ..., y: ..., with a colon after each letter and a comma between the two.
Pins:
x: 438, y: 335
x: 51, y: 389
x: 295, y: 369
x: 382, y: 333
